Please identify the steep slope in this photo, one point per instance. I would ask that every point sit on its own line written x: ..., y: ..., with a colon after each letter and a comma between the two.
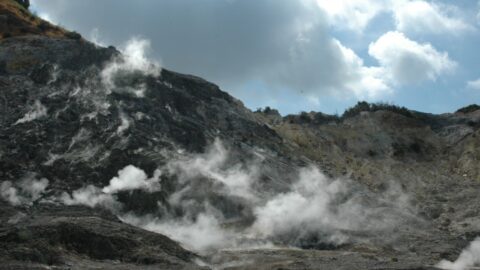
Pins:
x: 63, y: 119
x: 16, y: 20
x: 93, y: 140
x: 433, y: 157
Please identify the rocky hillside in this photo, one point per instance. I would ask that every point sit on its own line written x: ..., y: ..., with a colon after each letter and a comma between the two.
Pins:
x: 17, y: 20
x: 109, y: 161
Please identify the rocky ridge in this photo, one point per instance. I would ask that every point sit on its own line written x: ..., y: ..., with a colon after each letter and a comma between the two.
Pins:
x: 75, y: 114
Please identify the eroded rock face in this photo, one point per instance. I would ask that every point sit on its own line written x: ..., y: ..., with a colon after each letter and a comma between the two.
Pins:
x: 82, y: 238
x: 65, y: 121
x: 74, y: 116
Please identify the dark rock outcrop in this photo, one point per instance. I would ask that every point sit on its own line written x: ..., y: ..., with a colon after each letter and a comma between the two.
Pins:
x: 67, y: 118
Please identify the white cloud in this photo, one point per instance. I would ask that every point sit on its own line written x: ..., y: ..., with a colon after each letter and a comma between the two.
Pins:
x: 474, y: 84
x: 351, y: 14
x: 318, y: 64
x: 368, y: 82
x: 288, y: 46
x: 468, y: 258
x: 428, y: 17
x: 285, y: 45
x: 410, y: 15
x: 406, y: 61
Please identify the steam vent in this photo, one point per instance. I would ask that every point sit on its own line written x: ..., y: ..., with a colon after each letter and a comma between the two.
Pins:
x: 110, y: 160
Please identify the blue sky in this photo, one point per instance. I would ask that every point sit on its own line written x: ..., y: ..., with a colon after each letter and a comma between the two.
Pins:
x: 301, y: 55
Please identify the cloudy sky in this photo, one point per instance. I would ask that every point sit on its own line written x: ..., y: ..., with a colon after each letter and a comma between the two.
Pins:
x: 301, y: 55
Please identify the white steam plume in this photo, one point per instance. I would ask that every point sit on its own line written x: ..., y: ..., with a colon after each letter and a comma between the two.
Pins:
x: 124, y: 73
x: 213, y: 205
x: 37, y: 111
x: 25, y: 192
x: 125, y: 124
x: 308, y: 206
x: 129, y: 178
x: 234, y: 179
x: 132, y: 61
x: 10, y: 193
x: 202, y: 234
x: 469, y: 258
x: 90, y: 196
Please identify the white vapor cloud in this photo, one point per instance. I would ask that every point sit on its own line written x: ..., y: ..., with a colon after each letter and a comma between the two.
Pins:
x: 96, y: 39
x: 205, y: 233
x: 234, y: 180
x: 9, y: 193
x: 25, y: 192
x: 307, y: 207
x: 38, y: 110
x: 124, y: 123
x: 217, y: 204
x: 130, y: 178
x: 133, y: 60
x: 324, y: 208
x: 407, y: 61
x: 469, y: 258
x: 475, y: 84
x: 90, y: 196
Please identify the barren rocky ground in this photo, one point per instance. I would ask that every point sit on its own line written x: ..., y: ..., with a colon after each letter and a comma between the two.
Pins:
x: 112, y: 162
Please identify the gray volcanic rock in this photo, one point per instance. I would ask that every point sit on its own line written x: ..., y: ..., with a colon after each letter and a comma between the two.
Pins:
x: 79, y: 115
x: 177, y: 111
x: 62, y: 122
x: 82, y: 238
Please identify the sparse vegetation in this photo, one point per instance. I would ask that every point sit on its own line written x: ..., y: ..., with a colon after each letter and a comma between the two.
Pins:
x: 364, y: 106
x: 469, y: 109
x: 19, y: 21
x: 319, y: 118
